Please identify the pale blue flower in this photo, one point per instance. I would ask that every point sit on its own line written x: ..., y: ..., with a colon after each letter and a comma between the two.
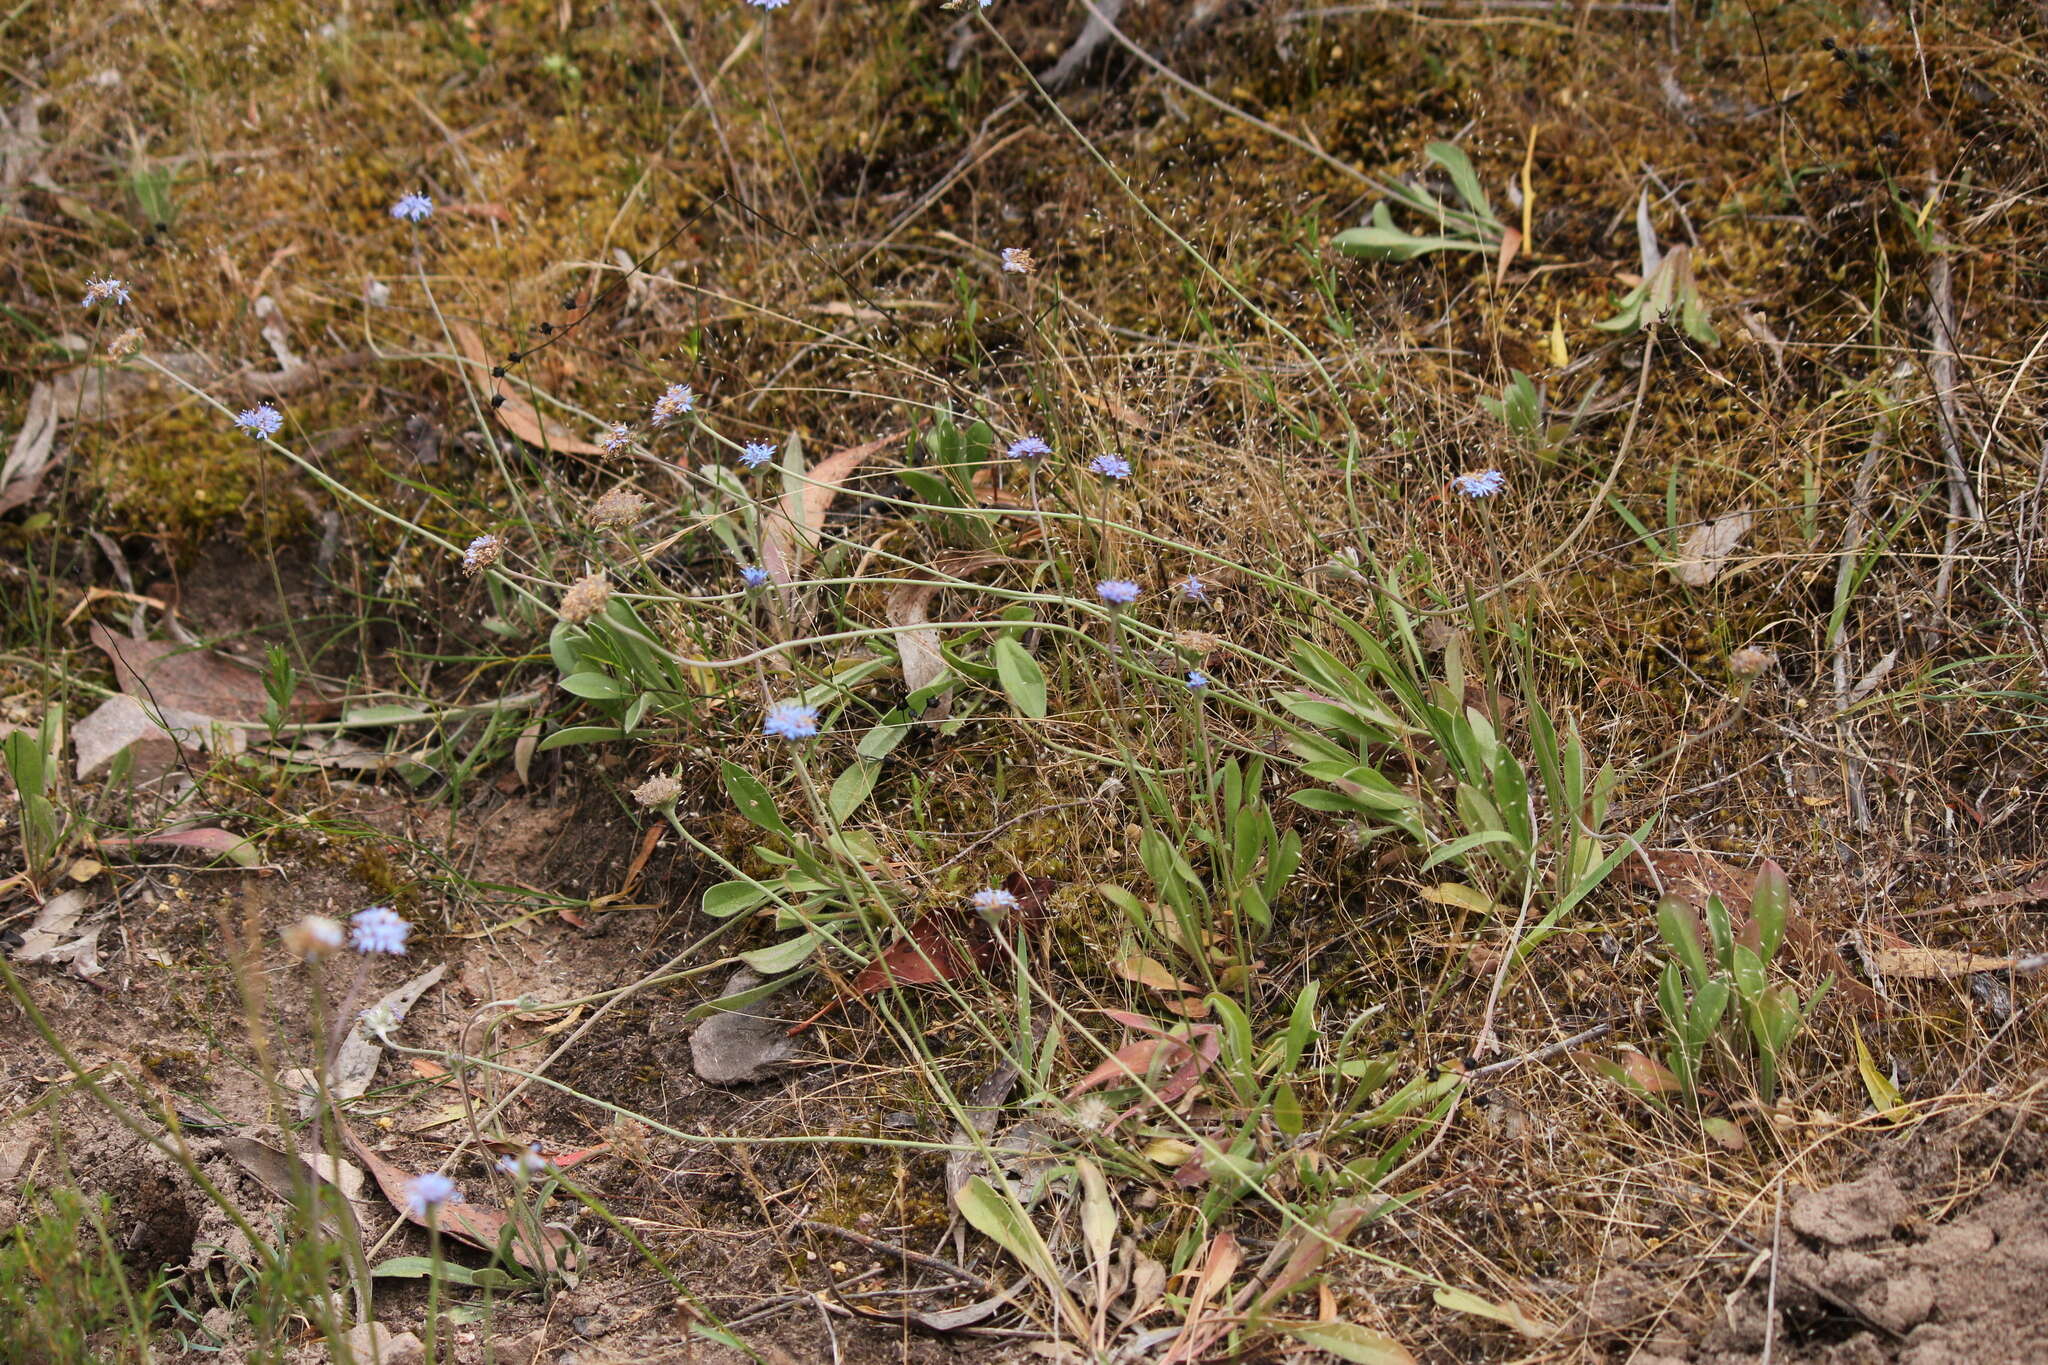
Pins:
x: 767, y: 4
x: 1118, y: 592
x: 1111, y: 466
x: 104, y: 290
x: 379, y: 930
x: 528, y: 1165
x: 993, y: 901
x: 483, y: 552
x: 1193, y: 589
x: 789, y: 720
x: 1483, y: 483
x: 429, y: 1192
x: 755, y: 576
x: 260, y: 421
x: 1197, y: 680
x: 413, y: 208
x: 754, y: 454
x: 676, y: 400
x: 1029, y: 448
x: 616, y: 437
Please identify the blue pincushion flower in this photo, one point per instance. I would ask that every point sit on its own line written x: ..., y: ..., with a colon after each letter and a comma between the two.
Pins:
x: 675, y: 400
x: 528, y: 1165
x: 789, y: 720
x: 104, y: 289
x: 617, y: 437
x: 429, y: 1192
x: 413, y: 208
x: 754, y: 454
x: 993, y: 901
x: 1193, y: 589
x: 1197, y: 680
x: 1483, y: 483
x: 767, y: 4
x: 1029, y: 448
x: 260, y: 421
x: 1118, y: 592
x: 755, y: 576
x: 1111, y: 466
x: 379, y: 929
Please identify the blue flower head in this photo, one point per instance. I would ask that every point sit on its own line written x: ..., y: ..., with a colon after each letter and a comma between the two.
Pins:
x: 1029, y: 448
x: 104, y: 290
x: 1111, y: 466
x: 754, y: 454
x: 1482, y: 483
x: 379, y: 930
x: 768, y: 4
x: 993, y: 901
x: 483, y: 552
x: 676, y: 400
x: 617, y: 437
x: 260, y: 421
x: 1197, y: 680
x: 1118, y: 592
x: 788, y: 720
x: 1193, y: 589
x: 413, y: 208
x: 755, y: 576
x: 528, y: 1165
x: 429, y: 1192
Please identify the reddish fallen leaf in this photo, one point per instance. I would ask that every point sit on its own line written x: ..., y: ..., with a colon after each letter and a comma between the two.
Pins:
x: 177, y: 677
x: 515, y: 412
x: 1693, y: 877
x: 1190, y: 1055
x: 218, y: 842
x: 479, y: 1225
x: 790, y: 532
x: 945, y: 944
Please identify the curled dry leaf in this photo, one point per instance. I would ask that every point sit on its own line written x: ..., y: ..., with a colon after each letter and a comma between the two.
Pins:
x: 906, y: 607
x: 516, y: 413
x: 356, y: 1063
x: 55, y: 936
x: 480, y: 1225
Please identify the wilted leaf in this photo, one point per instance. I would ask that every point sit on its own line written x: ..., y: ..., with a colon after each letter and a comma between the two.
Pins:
x: 220, y: 843
x: 1725, y: 1134
x: 1884, y: 1096
x: 1348, y: 1341
x: 1146, y: 971
x: 917, y: 649
x: 1647, y: 1072
x: 1706, y: 548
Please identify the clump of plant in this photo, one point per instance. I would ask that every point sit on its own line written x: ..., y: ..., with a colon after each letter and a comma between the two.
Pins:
x: 1708, y: 974
x: 64, y: 1294
x: 1474, y: 227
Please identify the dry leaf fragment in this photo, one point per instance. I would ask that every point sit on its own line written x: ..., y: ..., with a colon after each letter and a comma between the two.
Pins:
x: 1707, y: 546
x: 55, y: 936
x: 516, y: 413
x: 480, y: 1225
x: 1935, y: 964
x: 177, y: 678
x: 789, y: 534
x: 357, y: 1061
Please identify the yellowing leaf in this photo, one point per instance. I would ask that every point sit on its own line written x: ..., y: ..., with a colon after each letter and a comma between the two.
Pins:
x: 1884, y: 1096
x: 1464, y: 1301
x: 1462, y: 897
x: 1167, y: 1151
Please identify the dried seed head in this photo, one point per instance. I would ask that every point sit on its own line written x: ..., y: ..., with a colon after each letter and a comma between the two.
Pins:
x: 315, y: 937
x: 586, y: 598
x: 1017, y: 261
x: 1197, y: 642
x: 1749, y: 661
x: 482, y: 553
x: 619, y: 507
x: 126, y: 344
x: 658, y: 791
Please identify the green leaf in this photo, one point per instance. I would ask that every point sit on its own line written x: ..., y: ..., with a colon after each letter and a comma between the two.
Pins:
x: 1023, y: 680
x: 851, y: 788
x: 996, y: 1216
x: 738, y: 1000
x: 385, y: 715
x: 879, y: 742
x: 579, y: 734
x: 780, y: 957
x: 1452, y: 158
x: 727, y: 899
x: 1464, y: 1301
x: 752, y: 798
x: 1458, y: 847
x: 594, y: 686
x: 1347, y: 1341
x: 1770, y: 906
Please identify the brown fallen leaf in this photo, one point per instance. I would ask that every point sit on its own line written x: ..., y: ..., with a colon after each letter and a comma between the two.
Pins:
x: 201, y: 682
x: 789, y: 534
x: 219, y: 842
x: 479, y: 1225
x: 1706, y: 548
x: 906, y: 607
x: 1191, y: 1054
x: 1935, y: 964
x: 515, y: 412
